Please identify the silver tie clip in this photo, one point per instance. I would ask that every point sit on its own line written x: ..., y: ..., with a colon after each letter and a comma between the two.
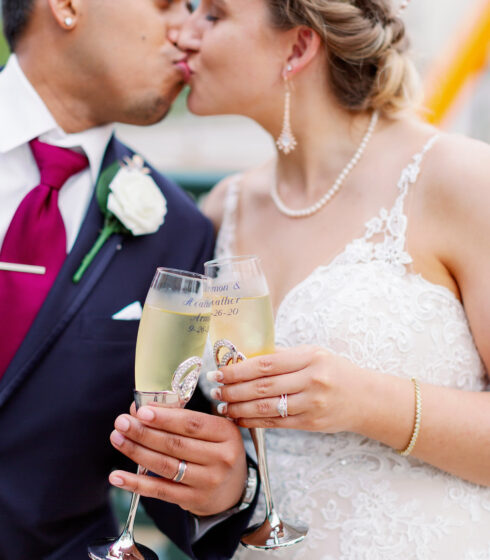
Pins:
x: 27, y: 268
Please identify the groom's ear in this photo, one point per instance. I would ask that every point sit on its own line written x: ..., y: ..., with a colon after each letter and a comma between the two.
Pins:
x: 306, y: 44
x: 65, y: 12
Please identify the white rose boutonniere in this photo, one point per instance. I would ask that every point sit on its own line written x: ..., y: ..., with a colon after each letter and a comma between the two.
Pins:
x: 131, y: 202
x: 136, y: 200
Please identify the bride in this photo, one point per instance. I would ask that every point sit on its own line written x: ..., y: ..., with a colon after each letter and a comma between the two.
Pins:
x: 374, y: 233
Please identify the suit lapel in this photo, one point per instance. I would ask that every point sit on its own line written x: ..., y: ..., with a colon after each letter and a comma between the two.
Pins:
x: 65, y: 298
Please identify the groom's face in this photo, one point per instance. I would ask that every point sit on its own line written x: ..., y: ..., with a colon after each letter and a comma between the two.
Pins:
x: 127, y: 49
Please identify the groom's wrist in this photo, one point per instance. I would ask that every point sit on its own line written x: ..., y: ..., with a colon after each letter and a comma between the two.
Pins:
x: 202, y: 524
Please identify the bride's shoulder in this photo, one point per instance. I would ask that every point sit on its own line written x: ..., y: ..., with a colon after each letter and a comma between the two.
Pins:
x: 247, y: 184
x: 454, y: 202
x: 458, y: 172
x: 214, y: 203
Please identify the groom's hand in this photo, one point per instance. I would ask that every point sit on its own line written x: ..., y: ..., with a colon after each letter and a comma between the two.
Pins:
x: 159, y: 438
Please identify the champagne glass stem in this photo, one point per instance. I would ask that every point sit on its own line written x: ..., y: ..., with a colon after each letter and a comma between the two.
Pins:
x: 258, y: 438
x: 125, y: 542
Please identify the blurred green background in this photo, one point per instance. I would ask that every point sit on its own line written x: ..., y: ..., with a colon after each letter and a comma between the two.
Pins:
x: 4, y: 50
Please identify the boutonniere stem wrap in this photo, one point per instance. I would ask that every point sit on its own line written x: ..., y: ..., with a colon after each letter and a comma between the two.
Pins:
x: 131, y: 202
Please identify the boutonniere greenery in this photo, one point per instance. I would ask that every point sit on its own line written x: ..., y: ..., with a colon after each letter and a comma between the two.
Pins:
x: 131, y: 202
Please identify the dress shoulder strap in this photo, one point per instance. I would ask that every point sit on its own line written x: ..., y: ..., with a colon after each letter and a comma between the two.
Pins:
x: 225, y: 242
x: 411, y: 173
x: 392, y: 224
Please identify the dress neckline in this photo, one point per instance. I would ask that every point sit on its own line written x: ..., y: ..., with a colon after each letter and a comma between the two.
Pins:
x: 408, y: 177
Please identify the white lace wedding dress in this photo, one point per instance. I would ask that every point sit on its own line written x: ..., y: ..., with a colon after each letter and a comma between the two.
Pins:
x: 362, y: 500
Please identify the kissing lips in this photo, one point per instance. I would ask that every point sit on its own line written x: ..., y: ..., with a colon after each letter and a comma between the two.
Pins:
x: 186, y: 71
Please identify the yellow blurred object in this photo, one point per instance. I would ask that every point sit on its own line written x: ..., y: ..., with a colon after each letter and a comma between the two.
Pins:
x: 467, y: 55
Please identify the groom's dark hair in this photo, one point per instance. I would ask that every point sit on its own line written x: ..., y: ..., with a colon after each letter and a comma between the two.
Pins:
x: 15, y: 15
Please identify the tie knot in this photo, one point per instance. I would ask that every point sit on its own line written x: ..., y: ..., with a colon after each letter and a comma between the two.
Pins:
x: 56, y: 165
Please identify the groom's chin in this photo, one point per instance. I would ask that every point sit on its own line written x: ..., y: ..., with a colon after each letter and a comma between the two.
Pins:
x: 151, y: 111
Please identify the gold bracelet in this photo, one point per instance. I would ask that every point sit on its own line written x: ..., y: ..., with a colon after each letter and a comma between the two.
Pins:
x: 416, y: 427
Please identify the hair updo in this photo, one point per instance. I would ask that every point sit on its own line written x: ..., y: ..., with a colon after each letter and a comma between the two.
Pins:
x: 366, y: 43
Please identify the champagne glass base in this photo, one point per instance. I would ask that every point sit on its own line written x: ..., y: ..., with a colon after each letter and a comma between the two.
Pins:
x: 101, y: 550
x: 266, y: 537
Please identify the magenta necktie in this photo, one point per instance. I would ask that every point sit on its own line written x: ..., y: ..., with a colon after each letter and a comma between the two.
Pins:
x: 36, y: 236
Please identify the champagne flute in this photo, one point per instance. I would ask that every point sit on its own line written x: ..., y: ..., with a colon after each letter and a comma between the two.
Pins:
x: 242, y: 326
x: 171, y: 339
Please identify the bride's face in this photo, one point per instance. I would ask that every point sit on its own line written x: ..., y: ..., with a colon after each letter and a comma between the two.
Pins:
x: 235, y: 57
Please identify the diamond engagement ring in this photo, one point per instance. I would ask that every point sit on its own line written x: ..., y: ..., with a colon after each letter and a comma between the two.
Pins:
x: 282, y: 406
x: 181, y: 472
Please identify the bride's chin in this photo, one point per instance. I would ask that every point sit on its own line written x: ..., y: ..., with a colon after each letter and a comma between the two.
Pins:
x: 196, y: 107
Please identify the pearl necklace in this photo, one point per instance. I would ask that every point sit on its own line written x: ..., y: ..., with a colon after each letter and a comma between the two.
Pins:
x: 334, y: 189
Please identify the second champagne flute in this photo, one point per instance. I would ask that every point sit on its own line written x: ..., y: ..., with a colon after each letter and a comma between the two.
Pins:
x: 242, y: 326
x: 171, y: 339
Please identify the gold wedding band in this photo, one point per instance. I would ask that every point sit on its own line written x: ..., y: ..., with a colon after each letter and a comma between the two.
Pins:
x: 181, y: 472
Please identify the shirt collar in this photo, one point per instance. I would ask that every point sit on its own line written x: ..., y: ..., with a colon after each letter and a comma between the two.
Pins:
x: 24, y: 116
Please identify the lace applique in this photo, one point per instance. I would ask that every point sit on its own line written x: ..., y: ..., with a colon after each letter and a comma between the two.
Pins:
x: 483, y: 554
x: 360, y: 498
x: 470, y: 498
x: 392, y: 225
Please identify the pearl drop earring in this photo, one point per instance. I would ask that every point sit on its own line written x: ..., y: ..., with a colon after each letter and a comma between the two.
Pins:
x: 286, y: 142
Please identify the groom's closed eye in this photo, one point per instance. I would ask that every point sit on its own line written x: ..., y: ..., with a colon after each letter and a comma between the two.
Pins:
x: 164, y: 4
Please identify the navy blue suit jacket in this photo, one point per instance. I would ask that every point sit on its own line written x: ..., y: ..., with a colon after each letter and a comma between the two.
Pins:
x: 73, y: 374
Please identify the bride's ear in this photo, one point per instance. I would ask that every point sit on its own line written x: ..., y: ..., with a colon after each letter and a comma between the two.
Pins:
x: 305, y: 47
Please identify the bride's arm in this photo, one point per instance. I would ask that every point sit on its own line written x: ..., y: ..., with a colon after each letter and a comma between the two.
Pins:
x: 331, y: 394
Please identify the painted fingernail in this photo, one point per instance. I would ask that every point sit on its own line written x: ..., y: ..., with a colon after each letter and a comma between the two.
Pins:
x: 222, y: 408
x: 146, y: 413
x: 116, y: 480
x: 122, y: 424
x: 117, y: 438
x: 215, y: 394
x: 214, y: 376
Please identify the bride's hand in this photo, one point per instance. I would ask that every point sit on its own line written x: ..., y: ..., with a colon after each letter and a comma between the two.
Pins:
x: 324, y: 391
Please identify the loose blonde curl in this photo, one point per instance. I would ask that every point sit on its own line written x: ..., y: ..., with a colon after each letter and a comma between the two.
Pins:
x: 368, y: 63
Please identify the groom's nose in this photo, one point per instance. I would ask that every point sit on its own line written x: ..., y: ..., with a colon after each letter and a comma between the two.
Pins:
x: 173, y: 36
x: 178, y: 17
x: 189, y: 37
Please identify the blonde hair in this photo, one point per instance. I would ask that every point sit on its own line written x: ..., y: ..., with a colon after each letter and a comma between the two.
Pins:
x: 368, y: 63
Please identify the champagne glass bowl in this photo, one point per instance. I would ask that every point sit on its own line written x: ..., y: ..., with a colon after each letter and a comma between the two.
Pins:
x: 242, y: 326
x: 171, y: 339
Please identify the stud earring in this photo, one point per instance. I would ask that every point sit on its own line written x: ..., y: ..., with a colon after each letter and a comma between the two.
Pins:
x: 286, y: 142
x: 69, y: 22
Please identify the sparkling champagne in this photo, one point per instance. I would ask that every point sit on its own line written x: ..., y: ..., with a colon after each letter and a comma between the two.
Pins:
x: 246, y: 321
x: 171, y: 330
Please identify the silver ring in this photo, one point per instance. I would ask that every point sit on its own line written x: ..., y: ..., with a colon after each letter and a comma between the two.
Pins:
x: 282, y: 406
x: 181, y: 472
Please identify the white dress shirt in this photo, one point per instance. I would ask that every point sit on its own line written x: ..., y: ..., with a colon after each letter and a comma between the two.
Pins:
x: 23, y: 117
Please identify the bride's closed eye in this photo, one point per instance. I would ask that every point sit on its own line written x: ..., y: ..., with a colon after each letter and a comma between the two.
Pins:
x: 214, y: 10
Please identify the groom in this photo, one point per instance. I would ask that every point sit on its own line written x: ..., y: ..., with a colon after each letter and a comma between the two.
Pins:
x: 66, y: 346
